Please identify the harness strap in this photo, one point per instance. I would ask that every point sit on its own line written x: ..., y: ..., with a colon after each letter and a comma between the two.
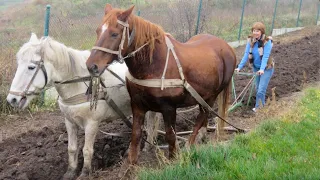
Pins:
x: 132, y: 53
x: 28, y: 93
x: 80, y: 79
x: 79, y: 99
x: 118, y: 111
x: 171, y: 48
x: 170, y: 45
x: 156, y: 83
x: 194, y: 94
x: 105, y: 50
x: 116, y: 75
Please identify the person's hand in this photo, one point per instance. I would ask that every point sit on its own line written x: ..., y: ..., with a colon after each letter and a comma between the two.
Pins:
x: 260, y: 72
x: 237, y: 70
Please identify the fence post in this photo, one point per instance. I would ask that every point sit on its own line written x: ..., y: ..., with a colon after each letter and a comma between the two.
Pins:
x: 317, y: 19
x: 137, y: 4
x: 47, y: 21
x: 274, y: 16
x: 198, y: 20
x: 297, y: 24
x: 240, y: 29
x: 46, y: 33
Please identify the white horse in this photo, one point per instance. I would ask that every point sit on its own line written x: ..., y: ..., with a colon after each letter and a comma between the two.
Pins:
x: 43, y: 62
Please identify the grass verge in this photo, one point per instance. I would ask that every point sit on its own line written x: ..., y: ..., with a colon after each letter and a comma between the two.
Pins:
x: 284, y: 148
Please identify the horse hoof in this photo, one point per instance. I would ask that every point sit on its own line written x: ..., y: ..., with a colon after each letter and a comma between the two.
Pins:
x: 124, y: 170
x: 83, y: 177
x: 85, y: 173
x: 69, y: 175
x: 202, y: 136
x: 187, y: 146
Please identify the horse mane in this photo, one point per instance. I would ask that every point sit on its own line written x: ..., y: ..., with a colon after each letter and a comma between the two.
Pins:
x: 63, y: 57
x: 145, y: 32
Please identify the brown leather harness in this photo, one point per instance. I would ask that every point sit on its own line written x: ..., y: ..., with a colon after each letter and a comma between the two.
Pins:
x: 161, y: 83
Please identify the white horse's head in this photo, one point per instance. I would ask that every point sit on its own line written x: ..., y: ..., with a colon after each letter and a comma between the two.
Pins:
x: 31, y: 76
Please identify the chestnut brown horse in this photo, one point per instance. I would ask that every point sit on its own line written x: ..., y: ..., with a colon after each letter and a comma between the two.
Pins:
x: 206, y: 62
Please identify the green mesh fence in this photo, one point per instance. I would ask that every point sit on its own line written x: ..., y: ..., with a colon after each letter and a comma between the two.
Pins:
x: 74, y: 22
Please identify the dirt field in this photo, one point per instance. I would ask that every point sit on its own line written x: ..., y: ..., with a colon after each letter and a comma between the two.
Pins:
x: 35, y: 146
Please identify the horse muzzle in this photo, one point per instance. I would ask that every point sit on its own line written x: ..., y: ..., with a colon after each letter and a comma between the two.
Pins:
x: 95, y: 71
x: 17, y: 101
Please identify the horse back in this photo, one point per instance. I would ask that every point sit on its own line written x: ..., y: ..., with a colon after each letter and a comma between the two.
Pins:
x: 209, y: 55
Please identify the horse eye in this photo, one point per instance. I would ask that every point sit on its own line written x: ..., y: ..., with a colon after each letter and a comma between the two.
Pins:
x: 114, y: 35
x: 31, y: 67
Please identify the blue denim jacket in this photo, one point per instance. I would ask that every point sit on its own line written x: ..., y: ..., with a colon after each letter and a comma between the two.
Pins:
x: 257, y: 62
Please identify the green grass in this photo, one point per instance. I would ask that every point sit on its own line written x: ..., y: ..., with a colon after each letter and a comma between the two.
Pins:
x: 287, y: 148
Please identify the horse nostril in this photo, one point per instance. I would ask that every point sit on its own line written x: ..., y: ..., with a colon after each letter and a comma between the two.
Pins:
x: 14, y: 101
x: 94, y: 69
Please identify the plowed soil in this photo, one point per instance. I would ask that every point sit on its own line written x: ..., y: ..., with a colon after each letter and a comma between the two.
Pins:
x: 35, y: 146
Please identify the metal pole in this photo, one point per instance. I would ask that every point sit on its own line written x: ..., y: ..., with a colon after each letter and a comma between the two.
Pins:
x: 297, y: 24
x: 317, y: 19
x: 250, y: 94
x: 47, y: 21
x: 240, y: 29
x: 46, y: 33
x: 274, y: 16
x: 198, y: 20
x: 137, y: 4
x: 233, y: 88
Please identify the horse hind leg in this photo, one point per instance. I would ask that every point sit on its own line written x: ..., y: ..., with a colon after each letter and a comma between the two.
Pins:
x: 200, y: 126
x: 73, y: 150
x: 91, y: 129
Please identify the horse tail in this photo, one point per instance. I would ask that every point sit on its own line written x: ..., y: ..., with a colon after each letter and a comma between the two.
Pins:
x: 223, y: 103
x: 224, y: 95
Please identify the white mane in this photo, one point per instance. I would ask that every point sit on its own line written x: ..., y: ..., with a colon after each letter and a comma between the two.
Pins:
x: 66, y: 59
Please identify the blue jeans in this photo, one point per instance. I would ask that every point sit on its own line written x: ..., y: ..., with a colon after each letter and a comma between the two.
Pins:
x: 262, y: 85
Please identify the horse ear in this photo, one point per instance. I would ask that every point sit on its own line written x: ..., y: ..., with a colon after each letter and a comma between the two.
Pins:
x: 107, y: 8
x: 124, y: 15
x: 34, y: 38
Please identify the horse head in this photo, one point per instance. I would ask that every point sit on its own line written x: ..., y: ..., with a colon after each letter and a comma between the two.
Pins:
x: 31, y: 76
x: 112, y: 39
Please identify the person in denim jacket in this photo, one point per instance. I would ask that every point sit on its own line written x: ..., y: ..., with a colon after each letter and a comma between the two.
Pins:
x: 258, y: 50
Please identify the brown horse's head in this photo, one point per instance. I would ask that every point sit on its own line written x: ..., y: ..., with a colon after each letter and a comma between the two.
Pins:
x: 112, y: 39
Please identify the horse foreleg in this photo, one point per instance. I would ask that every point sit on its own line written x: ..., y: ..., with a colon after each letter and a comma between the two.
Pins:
x: 201, y: 122
x: 73, y: 150
x: 134, y: 148
x: 90, y: 129
x: 169, y: 117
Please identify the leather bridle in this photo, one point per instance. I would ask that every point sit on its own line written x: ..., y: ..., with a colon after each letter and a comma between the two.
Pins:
x: 130, y: 40
x: 26, y: 92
